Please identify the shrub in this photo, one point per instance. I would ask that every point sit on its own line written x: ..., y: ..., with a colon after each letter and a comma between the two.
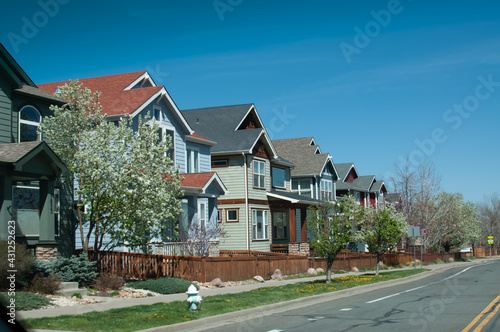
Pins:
x: 106, y: 281
x: 26, y: 301
x: 23, y: 261
x: 45, y: 284
x: 75, y: 268
x: 162, y: 285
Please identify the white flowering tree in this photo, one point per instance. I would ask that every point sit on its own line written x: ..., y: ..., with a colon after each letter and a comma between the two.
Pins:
x: 382, y: 229
x: 331, y: 226
x: 127, y: 187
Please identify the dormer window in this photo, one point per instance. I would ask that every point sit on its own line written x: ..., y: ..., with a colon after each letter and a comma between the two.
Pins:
x: 29, y: 122
x: 157, y: 114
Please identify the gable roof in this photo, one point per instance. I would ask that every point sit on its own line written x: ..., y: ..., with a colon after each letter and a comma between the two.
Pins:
x: 119, y: 97
x: 378, y: 186
x: 304, y: 155
x: 364, y: 182
x: 16, y: 74
x: 199, y: 182
x: 343, y: 169
x: 221, y: 124
x: 16, y: 155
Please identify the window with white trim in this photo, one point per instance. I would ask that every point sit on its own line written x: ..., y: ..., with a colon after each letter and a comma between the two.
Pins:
x: 163, y: 133
x: 232, y: 215
x: 260, y: 225
x: 302, y: 187
x: 259, y: 174
x: 326, y: 188
x: 29, y: 122
x: 157, y: 113
x: 193, y: 160
x: 202, y: 215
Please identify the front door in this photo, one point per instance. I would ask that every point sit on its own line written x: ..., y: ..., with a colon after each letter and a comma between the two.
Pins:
x: 281, y: 227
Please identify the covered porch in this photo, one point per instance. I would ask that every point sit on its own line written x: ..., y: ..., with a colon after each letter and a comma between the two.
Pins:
x: 289, y: 222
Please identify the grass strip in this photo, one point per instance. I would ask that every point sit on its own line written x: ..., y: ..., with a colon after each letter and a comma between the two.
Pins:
x: 149, y: 316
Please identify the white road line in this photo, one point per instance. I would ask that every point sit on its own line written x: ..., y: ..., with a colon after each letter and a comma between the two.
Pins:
x: 275, y: 331
x: 346, y: 309
x: 414, y: 289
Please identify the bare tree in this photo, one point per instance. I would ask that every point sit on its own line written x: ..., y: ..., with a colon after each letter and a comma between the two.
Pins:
x: 404, y: 182
x: 200, y: 240
x: 489, y: 211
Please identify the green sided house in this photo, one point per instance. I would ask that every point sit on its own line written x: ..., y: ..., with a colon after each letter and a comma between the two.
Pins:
x: 34, y: 201
x: 259, y: 211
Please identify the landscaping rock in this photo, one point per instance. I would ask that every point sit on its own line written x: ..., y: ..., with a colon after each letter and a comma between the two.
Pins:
x: 451, y: 260
x: 277, y: 275
x: 354, y: 269
x: 312, y: 271
x: 380, y: 263
x: 217, y: 283
x: 259, y: 278
x: 320, y: 270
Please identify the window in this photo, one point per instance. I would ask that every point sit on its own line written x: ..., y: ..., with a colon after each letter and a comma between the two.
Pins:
x: 326, y: 189
x: 259, y: 225
x: 57, y: 211
x: 29, y: 122
x: 219, y: 163
x: 357, y: 196
x: 279, y: 177
x: 280, y: 223
x: 193, y: 161
x: 259, y: 174
x: 26, y: 209
x: 232, y: 215
x: 157, y: 113
x: 202, y: 215
x: 302, y: 187
x: 219, y: 215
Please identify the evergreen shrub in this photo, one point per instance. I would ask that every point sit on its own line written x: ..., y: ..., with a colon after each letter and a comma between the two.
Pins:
x: 163, y: 286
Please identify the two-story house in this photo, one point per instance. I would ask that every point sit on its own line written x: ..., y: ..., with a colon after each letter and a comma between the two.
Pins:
x: 314, y: 174
x: 260, y: 211
x: 136, y: 95
x: 34, y: 201
x: 366, y: 188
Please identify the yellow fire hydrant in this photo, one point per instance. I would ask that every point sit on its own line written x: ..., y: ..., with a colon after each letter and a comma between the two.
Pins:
x: 194, y: 300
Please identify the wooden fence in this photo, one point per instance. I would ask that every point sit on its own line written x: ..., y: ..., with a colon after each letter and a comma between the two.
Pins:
x: 231, y: 265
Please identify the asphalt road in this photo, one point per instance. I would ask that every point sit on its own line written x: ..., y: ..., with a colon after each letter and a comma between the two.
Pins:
x: 459, y: 299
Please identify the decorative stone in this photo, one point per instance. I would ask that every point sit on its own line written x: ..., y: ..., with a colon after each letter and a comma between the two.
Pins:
x: 320, y: 270
x: 259, y: 278
x: 277, y: 275
x: 312, y: 271
x: 380, y: 263
x: 354, y: 269
x: 451, y: 260
x: 217, y: 283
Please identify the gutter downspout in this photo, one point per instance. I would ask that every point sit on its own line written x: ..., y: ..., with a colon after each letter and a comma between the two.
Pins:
x: 246, y: 201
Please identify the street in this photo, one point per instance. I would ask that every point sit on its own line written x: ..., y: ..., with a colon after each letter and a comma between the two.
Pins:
x: 459, y: 299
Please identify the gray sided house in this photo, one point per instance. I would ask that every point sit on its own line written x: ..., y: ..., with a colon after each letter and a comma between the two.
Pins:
x: 136, y: 95
x: 259, y: 212
x: 314, y: 175
x: 35, y: 202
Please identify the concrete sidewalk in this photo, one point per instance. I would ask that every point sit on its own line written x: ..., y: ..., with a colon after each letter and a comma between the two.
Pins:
x: 112, y: 303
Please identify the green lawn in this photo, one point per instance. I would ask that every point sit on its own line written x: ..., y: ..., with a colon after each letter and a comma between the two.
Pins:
x: 144, y: 317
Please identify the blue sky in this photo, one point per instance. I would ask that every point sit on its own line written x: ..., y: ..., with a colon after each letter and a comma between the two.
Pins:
x: 372, y: 81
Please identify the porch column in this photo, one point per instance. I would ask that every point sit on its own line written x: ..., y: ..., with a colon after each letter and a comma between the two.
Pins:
x: 47, y: 245
x: 5, y: 204
x: 303, y: 222
x: 293, y: 229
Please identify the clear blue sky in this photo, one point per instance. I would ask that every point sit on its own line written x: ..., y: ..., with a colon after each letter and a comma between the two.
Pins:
x: 372, y: 81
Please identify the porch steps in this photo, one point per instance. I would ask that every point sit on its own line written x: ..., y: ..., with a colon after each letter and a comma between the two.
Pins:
x: 70, y: 288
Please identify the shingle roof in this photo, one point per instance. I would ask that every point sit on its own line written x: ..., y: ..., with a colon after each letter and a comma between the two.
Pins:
x: 219, y: 124
x: 377, y: 186
x: 293, y: 197
x: 114, y: 99
x: 200, y: 181
x: 13, y: 152
x: 299, y: 152
x: 343, y: 169
x: 39, y: 93
x: 364, y: 182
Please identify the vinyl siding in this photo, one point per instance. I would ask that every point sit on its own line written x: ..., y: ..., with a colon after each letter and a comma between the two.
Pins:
x: 233, y: 177
x: 204, y: 155
x: 237, y: 238
x: 5, y: 112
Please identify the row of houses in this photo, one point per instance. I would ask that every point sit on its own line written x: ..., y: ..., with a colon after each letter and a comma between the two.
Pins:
x: 234, y: 174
